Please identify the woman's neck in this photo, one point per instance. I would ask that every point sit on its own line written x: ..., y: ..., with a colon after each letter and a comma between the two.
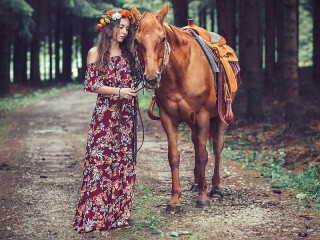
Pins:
x: 115, y: 49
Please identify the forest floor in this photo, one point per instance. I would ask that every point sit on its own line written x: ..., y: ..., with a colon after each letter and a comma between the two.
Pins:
x: 41, y: 162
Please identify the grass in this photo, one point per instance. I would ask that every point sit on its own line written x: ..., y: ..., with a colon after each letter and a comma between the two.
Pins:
x: 2, y: 128
x: 145, y: 100
x: 272, y: 166
x: 146, y: 219
x: 149, y: 223
x: 19, y: 101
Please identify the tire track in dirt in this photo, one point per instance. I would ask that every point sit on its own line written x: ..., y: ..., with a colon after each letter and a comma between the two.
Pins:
x: 41, y: 166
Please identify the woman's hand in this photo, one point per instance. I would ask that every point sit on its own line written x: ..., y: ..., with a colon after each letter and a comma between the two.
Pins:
x: 127, y: 93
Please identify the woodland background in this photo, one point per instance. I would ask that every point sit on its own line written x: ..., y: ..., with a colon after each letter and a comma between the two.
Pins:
x: 44, y: 45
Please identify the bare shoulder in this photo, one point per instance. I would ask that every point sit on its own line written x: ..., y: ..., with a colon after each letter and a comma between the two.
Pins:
x: 92, y: 55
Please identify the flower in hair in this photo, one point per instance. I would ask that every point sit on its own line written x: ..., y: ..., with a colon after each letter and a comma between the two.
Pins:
x: 108, y: 16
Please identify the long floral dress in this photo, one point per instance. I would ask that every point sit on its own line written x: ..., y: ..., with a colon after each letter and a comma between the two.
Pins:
x: 109, y: 168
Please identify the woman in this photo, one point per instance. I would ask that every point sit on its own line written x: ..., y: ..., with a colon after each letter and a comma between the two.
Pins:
x: 109, y: 169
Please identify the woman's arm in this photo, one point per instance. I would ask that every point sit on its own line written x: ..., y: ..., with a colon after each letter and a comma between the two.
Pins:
x: 122, y: 92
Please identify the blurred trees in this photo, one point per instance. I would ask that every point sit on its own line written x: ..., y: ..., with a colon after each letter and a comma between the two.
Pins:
x: 250, y: 55
x: 15, y: 21
x: 46, y: 42
x: 316, y: 41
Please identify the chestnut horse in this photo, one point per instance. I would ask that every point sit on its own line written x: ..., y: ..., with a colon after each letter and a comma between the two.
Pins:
x: 175, y: 66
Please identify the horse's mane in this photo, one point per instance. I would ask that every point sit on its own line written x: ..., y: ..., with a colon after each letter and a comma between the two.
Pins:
x: 173, y: 32
x: 176, y: 33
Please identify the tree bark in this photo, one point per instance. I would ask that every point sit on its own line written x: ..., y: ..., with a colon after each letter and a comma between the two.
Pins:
x: 67, y: 48
x: 86, y: 42
x: 203, y: 17
x: 212, y: 15
x: 269, y: 47
x: 280, y: 46
x: 226, y: 10
x: 316, y: 41
x: 180, y: 9
x: 50, y: 42
x: 35, y: 79
x: 57, y: 37
x: 291, y: 76
x: 20, y: 61
x: 251, y: 59
x: 4, y: 59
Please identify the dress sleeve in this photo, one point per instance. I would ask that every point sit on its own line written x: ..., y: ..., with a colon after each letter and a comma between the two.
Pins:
x: 92, y: 80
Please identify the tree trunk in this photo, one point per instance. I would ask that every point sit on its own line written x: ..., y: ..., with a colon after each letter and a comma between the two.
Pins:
x: 251, y: 60
x: 57, y: 34
x: 20, y: 61
x: 4, y: 59
x: 50, y: 53
x: 226, y: 10
x: 291, y: 76
x: 86, y: 42
x: 203, y: 17
x: 35, y: 79
x: 280, y: 45
x: 316, y: 41
x: 269, y: 46
x: 67, y: 48
x: 212, y: 15
x: 180, y: 9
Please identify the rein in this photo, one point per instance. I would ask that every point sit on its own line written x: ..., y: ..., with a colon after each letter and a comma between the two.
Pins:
x: 142, y: 79
x: 136, y: 110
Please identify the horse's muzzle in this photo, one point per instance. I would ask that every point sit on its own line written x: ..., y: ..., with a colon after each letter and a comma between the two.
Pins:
x: 152, y: 84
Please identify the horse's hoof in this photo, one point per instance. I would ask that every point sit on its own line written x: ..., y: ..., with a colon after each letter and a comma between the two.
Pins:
x: 173, y: 209
x: 215, y: 193
x: 202, y: 203
x: 194, y: 188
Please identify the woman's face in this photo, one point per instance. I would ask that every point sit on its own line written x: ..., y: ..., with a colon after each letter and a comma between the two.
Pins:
x: 120, y: 33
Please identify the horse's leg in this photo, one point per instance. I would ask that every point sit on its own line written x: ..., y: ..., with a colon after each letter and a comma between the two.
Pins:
x: 218, y: 128
x: 201, y: 156
x: 174, y: 161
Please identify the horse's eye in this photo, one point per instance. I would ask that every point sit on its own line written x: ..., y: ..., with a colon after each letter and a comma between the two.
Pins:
x: 163, y: 40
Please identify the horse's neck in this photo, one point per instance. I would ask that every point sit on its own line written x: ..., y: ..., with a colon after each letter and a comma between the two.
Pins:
x: 176, y: 36
x: 178, y: 40
x: 180, y: 45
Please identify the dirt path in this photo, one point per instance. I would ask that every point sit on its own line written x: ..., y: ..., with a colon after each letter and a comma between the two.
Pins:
x: 40, y: 173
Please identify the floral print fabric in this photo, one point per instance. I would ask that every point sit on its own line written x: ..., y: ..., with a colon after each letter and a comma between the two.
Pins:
x: 109, y: 168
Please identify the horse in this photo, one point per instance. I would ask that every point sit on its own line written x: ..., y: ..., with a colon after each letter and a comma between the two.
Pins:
x: 175, y: 67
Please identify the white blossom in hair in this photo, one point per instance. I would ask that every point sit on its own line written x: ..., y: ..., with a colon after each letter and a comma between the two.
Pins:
x: 116, y: 16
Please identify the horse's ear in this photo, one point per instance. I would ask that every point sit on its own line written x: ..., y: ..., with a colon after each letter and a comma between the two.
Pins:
x: 135, y: 12
x: 163, y: 12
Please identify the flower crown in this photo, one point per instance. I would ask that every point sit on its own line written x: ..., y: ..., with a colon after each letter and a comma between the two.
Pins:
x: 108, y: 16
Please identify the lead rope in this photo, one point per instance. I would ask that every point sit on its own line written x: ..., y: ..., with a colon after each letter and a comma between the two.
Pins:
x: 141, y: 79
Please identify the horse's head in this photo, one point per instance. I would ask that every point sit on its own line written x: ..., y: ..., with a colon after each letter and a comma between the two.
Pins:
x: 151, y: 44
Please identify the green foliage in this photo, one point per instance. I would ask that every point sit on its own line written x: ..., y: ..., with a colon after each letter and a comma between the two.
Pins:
x: 271, y: 166
x: 148, y: 219
x: 144, y: 99
x: 18, y: 15
x: 2, y: 128
x: 85, y: 8
x: 305, y: 47
x: 19, y: 101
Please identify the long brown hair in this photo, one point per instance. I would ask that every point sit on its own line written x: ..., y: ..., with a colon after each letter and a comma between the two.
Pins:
x: 104, y: 44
